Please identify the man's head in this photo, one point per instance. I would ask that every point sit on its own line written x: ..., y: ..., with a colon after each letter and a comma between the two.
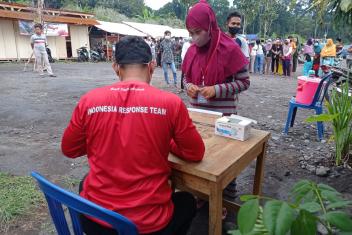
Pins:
x: 133, y: 59
x: 234, y: 23
x: 167, y: 34
x: 38, y: 28
x: 257, y: 41
x: 339, y: 40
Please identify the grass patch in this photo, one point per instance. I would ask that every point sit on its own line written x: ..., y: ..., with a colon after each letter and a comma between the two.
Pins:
x: 18, y: 195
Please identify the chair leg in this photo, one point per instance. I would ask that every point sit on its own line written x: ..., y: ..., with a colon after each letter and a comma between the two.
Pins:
x: 320, y: 125
x: 293, y: 116
x: 289, y: 117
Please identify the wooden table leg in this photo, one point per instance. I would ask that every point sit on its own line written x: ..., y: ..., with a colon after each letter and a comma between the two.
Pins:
x: 259, y: 172
x: 215, y: 209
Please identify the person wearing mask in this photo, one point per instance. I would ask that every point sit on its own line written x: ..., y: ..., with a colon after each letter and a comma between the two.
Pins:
x: 286, y: 57
x: 38, y: 43
x: 328, y: 53
x: 308, y: 52
x: 268, y: 55
x: 167, y: 47
x: 234, y: 28
x: 259, y: 58
x: 339, y: 46
x: 295, y: 51
x: 253, y: 54
x: 275, y: 57
x: 316, y: 61
x: 216, y: 71
x: 127, y: 131
x: 185, y: 48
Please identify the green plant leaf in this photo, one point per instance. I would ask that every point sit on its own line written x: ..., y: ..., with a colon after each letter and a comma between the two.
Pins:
x: 322, y: 118
x: 330, y: 196
x: 278, y: 217
x: 248, y: 215
x: 234, y: 232
x: 245, y: 198
x: 339, y: 219
x: 305, y: 224
x: 324, y: 187
x: 300, y: 190
x: 340, y: 204
x: 310, y: 207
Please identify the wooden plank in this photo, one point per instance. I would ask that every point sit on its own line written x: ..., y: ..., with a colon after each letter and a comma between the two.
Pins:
x: 215, y: 209
x: 180, y: 179
x: 259, y: 172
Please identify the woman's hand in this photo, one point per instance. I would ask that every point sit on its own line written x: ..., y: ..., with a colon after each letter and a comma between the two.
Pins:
x: 208, y: 92
x: 192, y: 91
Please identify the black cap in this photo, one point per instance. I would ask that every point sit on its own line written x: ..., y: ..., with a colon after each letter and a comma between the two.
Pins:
x: 132, y: 50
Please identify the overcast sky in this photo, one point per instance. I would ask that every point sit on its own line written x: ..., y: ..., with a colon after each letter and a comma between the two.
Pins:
x: 156, y: 4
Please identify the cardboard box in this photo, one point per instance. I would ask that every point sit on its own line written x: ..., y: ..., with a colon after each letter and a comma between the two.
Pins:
x: 234, y: 127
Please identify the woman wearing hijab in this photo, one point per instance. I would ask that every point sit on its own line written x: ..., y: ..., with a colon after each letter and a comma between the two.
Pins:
x: 268, y: 55
x: 275, y: 57
x: 328, y: 53
x: 215, y: 68
x: 286, y: 58
x: 308, y: 53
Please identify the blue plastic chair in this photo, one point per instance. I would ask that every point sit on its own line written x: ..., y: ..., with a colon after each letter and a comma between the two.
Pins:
x: 56, y: 197
x: 317, y: 105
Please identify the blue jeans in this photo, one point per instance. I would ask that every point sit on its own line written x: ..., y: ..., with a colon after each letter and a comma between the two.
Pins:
x: 259, y: 63
x: 166, y: 75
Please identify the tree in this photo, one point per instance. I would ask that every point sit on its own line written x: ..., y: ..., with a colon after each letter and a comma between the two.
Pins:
x: 268, y: 14
x: 221, y: 9
x: 249, y: 10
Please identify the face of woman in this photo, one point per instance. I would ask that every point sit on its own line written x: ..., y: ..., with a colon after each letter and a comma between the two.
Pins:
x: 200, y: 37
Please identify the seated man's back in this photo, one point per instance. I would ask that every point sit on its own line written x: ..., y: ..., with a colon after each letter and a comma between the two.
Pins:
x: 127, y: 131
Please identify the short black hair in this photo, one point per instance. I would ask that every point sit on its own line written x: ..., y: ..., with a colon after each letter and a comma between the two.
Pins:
x: 167, y: 32
x: 132, y: 50
x: 339, y: 39
x: 38, y: 25
x: 233, y: 14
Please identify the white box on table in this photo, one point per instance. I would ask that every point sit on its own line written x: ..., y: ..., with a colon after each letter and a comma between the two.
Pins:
x: 234, y: 127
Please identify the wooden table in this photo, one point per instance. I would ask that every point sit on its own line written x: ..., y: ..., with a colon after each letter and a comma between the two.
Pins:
x: 224, y: 160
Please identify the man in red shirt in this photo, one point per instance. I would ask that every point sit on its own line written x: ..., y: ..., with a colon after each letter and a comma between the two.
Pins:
x: 127, y: 131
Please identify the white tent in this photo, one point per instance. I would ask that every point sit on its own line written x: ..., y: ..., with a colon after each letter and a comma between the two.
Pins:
x: 154, y: 30
x: 183, y: 33
x: 119, y: 28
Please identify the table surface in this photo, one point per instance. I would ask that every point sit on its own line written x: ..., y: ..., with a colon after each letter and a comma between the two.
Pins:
x: 220, y: 152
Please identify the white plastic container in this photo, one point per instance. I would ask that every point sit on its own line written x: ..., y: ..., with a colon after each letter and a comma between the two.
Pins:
x: 234, y: 127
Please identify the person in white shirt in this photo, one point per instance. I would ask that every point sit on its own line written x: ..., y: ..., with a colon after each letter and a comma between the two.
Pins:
x: 185, y: 47
x: 38, y: 43
x: 252, y: 58
x: 259, y: 57
x: 287, y: 56
x: 234, y: 27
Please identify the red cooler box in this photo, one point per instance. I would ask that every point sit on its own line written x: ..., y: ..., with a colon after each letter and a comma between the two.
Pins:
x: 306, y: 88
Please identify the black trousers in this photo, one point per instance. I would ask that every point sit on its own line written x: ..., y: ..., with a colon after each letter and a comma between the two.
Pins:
x: 275, y: 61
x: 185, y: 209
x: 182, y: 77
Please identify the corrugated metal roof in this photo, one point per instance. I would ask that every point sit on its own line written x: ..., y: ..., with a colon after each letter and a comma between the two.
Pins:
x: 119, y: 28
x: 47, y: 18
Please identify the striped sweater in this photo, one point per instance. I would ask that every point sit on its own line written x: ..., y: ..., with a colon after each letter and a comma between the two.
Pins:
x: 226, y: 94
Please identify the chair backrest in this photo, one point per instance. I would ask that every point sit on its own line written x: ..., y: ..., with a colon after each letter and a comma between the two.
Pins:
x: 322, y: 89
x: 56, y: 197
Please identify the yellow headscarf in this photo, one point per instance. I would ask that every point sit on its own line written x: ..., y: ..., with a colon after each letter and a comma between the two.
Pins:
x: 329, y: 49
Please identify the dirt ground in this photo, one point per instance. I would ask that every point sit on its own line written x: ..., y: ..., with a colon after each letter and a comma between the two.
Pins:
x: 34, y: 112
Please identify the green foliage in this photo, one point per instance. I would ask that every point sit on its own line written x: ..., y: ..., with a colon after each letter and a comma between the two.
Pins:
x: 340, y: 115
x: 310, y: 204
x: 18, y: 194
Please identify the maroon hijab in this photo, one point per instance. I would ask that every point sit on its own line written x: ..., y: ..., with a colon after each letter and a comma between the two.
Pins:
x: 217, y: 60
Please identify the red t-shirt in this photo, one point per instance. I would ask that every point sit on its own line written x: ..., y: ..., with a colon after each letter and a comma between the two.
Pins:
x: 127, y: 131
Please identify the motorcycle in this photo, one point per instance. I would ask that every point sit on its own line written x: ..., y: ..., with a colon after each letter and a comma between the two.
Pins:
x: 83, y: 54
x: 97, y: 55
x: 48, y: 51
